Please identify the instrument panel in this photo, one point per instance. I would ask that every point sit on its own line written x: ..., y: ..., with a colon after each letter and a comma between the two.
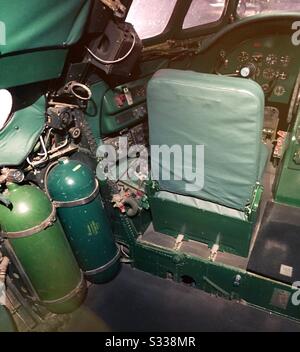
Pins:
x: 273, y: 62
x: 124, y: 106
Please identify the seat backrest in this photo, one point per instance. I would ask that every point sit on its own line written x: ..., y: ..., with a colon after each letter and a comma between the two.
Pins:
x: 223, y: 114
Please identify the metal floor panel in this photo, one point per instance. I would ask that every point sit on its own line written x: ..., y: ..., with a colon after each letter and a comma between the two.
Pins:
x: 276, y: 250
x: 136, y: 301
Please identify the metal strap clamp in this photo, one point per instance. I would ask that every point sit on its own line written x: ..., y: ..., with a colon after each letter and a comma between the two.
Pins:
x: 32, y: 231
x: 82, y: 201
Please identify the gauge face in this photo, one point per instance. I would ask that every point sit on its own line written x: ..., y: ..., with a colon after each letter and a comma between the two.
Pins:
x: 271, y: 59
x: 258, y: 57
x: 285, y: 60
x: 243, y: 57
x: 283, y: 76
x: 279, y: 91
x: 269, y: 74
x: 245, y: 72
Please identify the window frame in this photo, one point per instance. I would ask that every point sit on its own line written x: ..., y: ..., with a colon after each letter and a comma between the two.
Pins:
x: 174, y: 30
x: 159, y: 37
x: 208, y: 25
x: 238, y: 17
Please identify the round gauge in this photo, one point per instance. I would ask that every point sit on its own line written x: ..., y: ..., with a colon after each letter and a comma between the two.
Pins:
x: 283, y: 76
x: 285, y: 60
x: 245, y: 72
x: 243, y: 57
x: 17, y: 176
x: 265, y: 87
x: 279, y: 91
x: 271, y: 59
x: 269, y: 74
x: 258, y: 57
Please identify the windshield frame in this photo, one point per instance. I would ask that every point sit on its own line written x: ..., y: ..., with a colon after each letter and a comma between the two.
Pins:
x: 174, y: 30
x: 263, y: 13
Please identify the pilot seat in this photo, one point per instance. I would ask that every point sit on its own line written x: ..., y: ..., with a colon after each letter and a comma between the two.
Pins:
x: 224, y: 115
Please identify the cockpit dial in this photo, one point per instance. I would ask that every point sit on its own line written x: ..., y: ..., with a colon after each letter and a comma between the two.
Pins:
x: 283, y: 76
x: 258, y: 58
x: 243, y: 57
x: 271, y: 59
x: 285, y: 60
x: 269, y: 74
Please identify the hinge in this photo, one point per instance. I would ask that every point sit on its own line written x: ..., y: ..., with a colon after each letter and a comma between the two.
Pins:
x: 179, y: 241
x: 214, y: 252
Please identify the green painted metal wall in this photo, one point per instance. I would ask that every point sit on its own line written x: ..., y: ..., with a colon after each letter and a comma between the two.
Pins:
x: 288, y: 184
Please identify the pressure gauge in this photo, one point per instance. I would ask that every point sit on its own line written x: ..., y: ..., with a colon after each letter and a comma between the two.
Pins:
x: 279, y: 91
x: 245, y: 72
x: 257, y: 58
x: 283, y: 76
x: 269, y: 74
x: 271, y: 59
x: 243, y: 57
x: 285, y: 60
x: 248, y: 70
x: 16, y: 176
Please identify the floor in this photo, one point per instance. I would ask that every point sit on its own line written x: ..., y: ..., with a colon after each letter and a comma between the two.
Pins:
x: 136, y: 301
x: 275, y: 254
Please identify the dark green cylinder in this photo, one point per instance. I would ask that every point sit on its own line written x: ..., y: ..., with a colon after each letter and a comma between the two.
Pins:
x: 6, y: 321
x: 38, y: 241
x: 75, y: 191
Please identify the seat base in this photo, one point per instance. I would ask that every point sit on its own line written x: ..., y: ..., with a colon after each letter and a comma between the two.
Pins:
x: 230, y: 230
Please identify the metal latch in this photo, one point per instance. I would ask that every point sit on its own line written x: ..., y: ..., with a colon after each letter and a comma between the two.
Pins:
x: 128, y: 96
x: 213, y: 252
x: 116, y: 6
x: 178, y: 243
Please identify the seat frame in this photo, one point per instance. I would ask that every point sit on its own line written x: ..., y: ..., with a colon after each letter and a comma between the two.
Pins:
x: 231, y: 234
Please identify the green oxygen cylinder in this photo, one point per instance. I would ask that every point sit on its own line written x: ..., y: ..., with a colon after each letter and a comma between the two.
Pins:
x: 6, y: 321
x: 75, y: 192
x: 37, y: 241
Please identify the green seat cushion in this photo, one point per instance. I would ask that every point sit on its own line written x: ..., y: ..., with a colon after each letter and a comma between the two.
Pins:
x: 201, y: 205
x: 225, y: 115
x: 21, y: 134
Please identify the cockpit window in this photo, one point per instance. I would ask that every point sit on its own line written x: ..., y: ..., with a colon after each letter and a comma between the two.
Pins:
x: 150, y: 18
x: 202, y: 12
x: 254, y: 7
